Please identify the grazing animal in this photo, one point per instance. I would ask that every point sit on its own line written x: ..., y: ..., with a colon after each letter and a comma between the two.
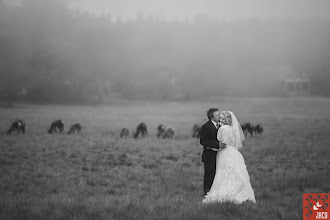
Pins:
x: 247, y: 128
x: 124, y: 132
x: 161, y: 131
x: 18, y: 126
x: 56, y: 126
x: 169, y: 133
x: 196, y: 131
x: 141, y: 129
x: 258, y: 129
x: 75, y: 128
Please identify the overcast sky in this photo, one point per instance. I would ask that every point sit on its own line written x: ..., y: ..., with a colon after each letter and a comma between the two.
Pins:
x: 228, y: 9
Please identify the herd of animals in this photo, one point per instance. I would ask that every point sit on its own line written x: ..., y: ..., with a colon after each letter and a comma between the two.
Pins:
x: 19, y: 125
x: 163, y: 132
x: 248, y: 128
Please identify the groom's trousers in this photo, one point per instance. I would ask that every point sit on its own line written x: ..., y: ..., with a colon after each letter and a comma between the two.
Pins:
x: 209, y: 172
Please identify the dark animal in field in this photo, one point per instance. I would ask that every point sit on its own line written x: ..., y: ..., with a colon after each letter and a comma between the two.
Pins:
x: 56, y: 126
x: 141, y: 129
x: 124, y: 132
x: 252, y: 128
x: 247, y: 128
x: 196, y: 131
x: 161, y: 130
x: 258, y: 129
x: 18, y: 126
x: 169, y: 133
x: 75, y: 128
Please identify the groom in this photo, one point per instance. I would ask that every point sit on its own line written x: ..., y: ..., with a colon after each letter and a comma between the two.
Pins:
x: 208, y: 138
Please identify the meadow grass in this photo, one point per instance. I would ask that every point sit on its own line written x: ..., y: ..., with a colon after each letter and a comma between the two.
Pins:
x: 97, y: 175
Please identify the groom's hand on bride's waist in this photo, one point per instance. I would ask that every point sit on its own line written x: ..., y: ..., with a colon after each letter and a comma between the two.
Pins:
x: 222, y: 145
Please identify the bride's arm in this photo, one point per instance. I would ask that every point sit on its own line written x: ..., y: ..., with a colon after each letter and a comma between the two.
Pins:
x: 219, y: 134
x: 222, y: 137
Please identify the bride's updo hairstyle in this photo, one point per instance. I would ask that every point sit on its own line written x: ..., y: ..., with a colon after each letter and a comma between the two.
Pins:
x: 228, y: 119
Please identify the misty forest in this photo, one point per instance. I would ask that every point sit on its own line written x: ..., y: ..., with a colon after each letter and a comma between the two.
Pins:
x: 51, y: 53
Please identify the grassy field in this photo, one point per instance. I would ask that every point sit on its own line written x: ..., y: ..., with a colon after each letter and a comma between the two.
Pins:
x: 97, y: 175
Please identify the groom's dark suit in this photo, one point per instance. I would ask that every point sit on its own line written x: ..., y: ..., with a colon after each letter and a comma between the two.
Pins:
x: 208, y: 138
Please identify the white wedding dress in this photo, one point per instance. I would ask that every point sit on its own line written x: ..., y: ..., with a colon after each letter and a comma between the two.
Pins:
x: 231, y: 182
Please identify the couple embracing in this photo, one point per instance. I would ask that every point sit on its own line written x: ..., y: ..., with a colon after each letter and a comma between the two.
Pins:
x: 225, y: 175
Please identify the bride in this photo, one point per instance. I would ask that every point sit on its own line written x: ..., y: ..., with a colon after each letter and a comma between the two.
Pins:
x: 231, y: 182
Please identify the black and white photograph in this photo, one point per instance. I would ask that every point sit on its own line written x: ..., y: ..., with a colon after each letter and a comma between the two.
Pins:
x: 164, y: 109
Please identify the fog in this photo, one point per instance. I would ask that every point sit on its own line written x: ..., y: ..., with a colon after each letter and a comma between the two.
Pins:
x: 98, y: 51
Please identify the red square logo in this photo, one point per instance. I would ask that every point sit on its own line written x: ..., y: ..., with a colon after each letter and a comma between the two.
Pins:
x: 316, y: 206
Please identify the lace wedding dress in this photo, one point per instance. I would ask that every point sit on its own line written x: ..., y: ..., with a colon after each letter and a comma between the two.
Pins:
x: 231, y: 182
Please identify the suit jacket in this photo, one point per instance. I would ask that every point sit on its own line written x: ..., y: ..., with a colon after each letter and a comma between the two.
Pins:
x: 208, y: 138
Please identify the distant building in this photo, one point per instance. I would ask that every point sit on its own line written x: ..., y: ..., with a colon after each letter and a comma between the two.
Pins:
x: 300, y: 85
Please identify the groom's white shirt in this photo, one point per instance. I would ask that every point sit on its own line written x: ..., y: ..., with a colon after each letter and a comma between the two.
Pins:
x: 215, y: 124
